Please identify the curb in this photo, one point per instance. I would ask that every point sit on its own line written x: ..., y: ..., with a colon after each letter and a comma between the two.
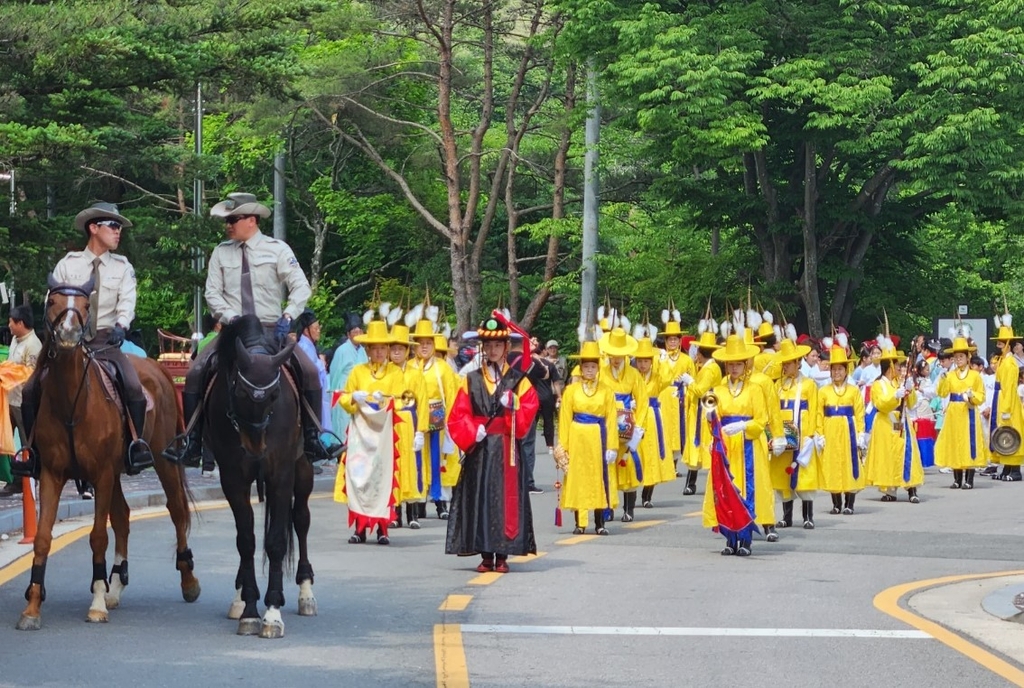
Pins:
x: 11, y: 519
x: 1000, y: 603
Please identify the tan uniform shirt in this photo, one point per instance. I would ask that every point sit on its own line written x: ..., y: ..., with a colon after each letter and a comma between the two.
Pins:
x: 273, y: 270
x: 117, y: 285
x: 25, y: 351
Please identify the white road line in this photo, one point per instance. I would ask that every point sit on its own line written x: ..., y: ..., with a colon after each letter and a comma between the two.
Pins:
x: 669, y: 631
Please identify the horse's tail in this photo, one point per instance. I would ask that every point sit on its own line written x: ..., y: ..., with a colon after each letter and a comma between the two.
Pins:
x: 179, y: 425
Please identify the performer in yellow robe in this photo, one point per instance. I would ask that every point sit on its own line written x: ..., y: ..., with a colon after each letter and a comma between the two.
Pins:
x: 412, y: 419
x: 631, y: 404
x: 587, y: 424
x: 960, y: 445
x: 678, y: 367
x: 795, y: 466
x: 774, y: 427
x: 840, y: 438
x: 370, y: 385
x: 657, y: 460
x: 742, y: 412
x: 893, y: 459
x: 696, y: 453
x: 1007, y: 408
x: 441, y: 384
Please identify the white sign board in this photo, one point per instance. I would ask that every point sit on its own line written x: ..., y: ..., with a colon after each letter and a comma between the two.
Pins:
x: 979, y: 332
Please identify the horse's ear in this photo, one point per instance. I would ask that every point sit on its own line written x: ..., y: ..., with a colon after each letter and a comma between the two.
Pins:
x: 284, y: 354
x: 244, y: 359
x: 88, y: 286
x: 51, y: 282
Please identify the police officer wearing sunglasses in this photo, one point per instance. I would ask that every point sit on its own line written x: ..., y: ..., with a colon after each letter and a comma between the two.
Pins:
x: 252, y: 273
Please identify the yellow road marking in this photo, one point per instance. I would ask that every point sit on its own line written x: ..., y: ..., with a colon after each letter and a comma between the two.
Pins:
x: 692, y: 514
x: 635, y: 525
x: 523, y: 558
x: 455, y: 603
x: 450, y: 657
x: 486, y: 578
x: 888, y: 601
x: 576, y: 539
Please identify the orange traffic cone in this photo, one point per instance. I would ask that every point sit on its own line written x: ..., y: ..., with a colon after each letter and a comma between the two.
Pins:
x: 28, y: 512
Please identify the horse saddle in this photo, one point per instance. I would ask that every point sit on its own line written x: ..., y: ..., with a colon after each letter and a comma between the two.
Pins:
x: 113, y: 387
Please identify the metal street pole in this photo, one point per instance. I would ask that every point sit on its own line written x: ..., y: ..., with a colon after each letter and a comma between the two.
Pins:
x: 591, y: 189
x: 280, y: 230
x: 198, y: 260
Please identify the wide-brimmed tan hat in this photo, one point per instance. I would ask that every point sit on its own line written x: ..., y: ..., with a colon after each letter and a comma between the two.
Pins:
x: 239, y: 204
x: 590, y: 351
x: 735, y: 349
x: 100, y: 211
x: 618, y: 343
x: 788, y: 351
x: 961, y: 346
x: 376, y: 333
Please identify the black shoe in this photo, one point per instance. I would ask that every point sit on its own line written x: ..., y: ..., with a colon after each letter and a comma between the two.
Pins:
x: 1014, y: 477
x: 787, y: 516
x: 727, y: 551
x: 770, y: 535
x: 648, y: 505
x: 187, y: 449
x: 912, y: 493
x: 533, y: 489
x: 357, y: 538
x: 602, y: 531
x: 837, y: 504
x: 88, y: 493
x: 577, y: 531
x: 743, y: 551
x: 139, y: 457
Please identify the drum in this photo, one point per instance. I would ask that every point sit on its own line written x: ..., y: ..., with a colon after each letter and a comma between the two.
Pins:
x: 436, y: 419
x: 1005, y: 441
x: 627, y: 423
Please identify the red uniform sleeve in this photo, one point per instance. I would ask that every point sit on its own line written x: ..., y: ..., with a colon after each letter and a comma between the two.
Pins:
x: 462, y: 424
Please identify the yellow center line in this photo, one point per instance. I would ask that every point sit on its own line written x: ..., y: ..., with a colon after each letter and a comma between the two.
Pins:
x: 888, y: 601
x: 455, y: 603
x: 486, y: 578
x: 450, y: 657
x: 692, y: 514
x: 523, y: 558
x: 635, y: 525
x: 576, y: 539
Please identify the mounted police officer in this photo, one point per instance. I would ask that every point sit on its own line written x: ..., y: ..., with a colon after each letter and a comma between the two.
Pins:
x: 111, y: 311
x: 251, y: 273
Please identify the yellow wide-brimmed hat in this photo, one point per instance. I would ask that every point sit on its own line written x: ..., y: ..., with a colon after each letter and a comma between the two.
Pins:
x: 440, y: 343
x: 618, y: 343
x: 1005, y: 334
x: 890, y: 353
x: 590, y: 351
x: 644, y: 349
x: 961, y: 346
x: 837, y: 356
x: 400, y: 334
x: 765, y: 330
x: 748, y: 338
x: 424, y: 330
x: 707, y: 341
x: 672, y: 329
x: 734, y: 350
x: 376, y: 333
x: 788, y: 351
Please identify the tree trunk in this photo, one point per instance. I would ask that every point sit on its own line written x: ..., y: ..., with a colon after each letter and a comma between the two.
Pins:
x: 809, y: 283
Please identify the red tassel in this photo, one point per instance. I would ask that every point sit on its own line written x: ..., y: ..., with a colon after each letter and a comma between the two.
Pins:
x: 558, y: 517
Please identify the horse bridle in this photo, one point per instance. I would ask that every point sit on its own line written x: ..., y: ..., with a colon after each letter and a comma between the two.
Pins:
x: 51, y: 324
x: 259, y: 394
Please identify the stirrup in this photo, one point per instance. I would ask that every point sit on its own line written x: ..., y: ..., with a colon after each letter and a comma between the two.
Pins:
x: 25, y: 463
x: 190, y: 453
x: 139, y: 457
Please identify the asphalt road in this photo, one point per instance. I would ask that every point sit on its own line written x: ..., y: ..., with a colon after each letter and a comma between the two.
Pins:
x: 654, y: 604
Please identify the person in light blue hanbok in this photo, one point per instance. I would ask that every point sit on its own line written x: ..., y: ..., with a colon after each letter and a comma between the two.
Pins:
x: 346, y: 357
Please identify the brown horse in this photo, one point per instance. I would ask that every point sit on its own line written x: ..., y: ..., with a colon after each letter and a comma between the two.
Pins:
x: 80, y: 433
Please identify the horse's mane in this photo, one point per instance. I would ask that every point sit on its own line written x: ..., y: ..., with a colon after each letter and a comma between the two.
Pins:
x: 246, y: 329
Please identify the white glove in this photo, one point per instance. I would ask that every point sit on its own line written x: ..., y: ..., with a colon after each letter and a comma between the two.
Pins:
x: 778, y: 445
x: 685, y: 379
x: 506, y: 399
x: 734, y: 428
x: 634, y: 440
x: 909, y: 384
x: 481, y: 433
x: 610, y: 456
x: 806, y: 453
x: 417, y: 441
x: 1005, y: 416
x: 819, y: 442
x: 360, y: 397
x: 900, y: 393
x: 378, y: 396
x: 969, y: 395
x: 862, y: 441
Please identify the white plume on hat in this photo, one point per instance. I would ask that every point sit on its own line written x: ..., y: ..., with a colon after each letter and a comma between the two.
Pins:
x: 600, y: 313
x: 753, y: 319
x: 777, y: 331
x: 712, y: 325
x: 639, y: 331
x: 384, y: 309
x: 826, y: 342
x: 393, y: 316
x: 413, y: 315
x: 791, y: 331
x: 652, y: 331
x: 624, y: 323
x: 367, y: 317
x: 431, y: 313
x: 724, y: 329
x: 676, y: 315
x: 842, y: 339
x: 1007, y: 320
x: 447, y: 331
x: 665, y: 316
x: 768, y: 317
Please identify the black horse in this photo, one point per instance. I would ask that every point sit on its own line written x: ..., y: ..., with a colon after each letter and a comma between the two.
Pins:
x: 253, y: 429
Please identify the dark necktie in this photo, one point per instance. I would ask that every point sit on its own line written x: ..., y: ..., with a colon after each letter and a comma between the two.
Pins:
x: 248, y: 307
x: 94, y: 297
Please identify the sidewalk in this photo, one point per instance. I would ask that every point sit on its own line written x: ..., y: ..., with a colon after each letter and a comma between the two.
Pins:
x: 141, y: 491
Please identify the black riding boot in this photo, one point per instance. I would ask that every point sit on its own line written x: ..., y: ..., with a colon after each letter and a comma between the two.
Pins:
x: 397, y: 523
x: 315, y: 449
x: 837, y: 503
x: 191, y: 454
x: 787, y: 515
x: 958, y: 479
x: 808, y: 507
x: 442, y: 509
x: 411, y: 512
x: 691, y: 483
x: 912, y: 494
x: 645, y: 497
x: 969, y: 479
x: 848, y: 506
x: 599, y: 522
x: 578, y: 530
x: 139, y: 454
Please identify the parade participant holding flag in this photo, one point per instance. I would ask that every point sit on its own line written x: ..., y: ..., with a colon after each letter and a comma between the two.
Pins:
x: 368, y: 480
x: 490, y: 511
x: 961, y: 445
x: 1007, y: 409
x: 586, y: 431
x: 840, y: 438
x: 739, y: 492
x: 631, y: 404
x: 794, y: 464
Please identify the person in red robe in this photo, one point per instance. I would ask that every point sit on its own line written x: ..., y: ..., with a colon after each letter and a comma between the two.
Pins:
x: 490, y: 511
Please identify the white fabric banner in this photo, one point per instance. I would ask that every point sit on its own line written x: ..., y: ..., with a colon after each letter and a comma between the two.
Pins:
x: 370, y: 463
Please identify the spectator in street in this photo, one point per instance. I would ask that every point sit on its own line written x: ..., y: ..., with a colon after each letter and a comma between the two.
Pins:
x: 346, y: 357
x: 24, y: 350
x: 561, y: 365
x: 307, y: 325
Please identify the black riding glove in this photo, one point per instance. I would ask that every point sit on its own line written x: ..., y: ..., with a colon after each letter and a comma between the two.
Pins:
x: 117, y: 336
